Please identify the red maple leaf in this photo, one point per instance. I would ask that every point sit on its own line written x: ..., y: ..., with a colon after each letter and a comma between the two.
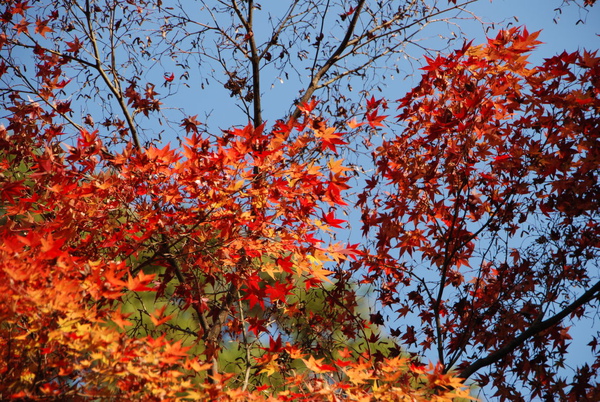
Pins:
x: 374, y: 119
x: 332, y: 221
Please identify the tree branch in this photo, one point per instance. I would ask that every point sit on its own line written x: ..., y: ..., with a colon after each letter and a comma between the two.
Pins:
x: 98, y: 66
x: 254, y: 57
x: 335, y: 56
x: 537, y: 327
x: 358, y: 42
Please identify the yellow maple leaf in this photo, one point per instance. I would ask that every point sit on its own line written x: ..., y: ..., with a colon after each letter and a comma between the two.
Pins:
x: 195, y: 365
x: 358, y: 375
x: 271, y: 269
x: 336, y: 166
x: 271, y: 367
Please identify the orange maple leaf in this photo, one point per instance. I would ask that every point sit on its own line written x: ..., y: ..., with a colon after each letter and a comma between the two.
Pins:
x: 330, y: 138
x: 317, y: 365
x: 120, y: 318
x: 157, y: 317
x: 41, y: 27
x: 138, y: 284
x: 354, y: 124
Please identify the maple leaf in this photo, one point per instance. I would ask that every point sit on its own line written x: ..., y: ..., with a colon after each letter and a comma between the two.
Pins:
x: 51, y: 247
x: 330, y: 138
x: 42, y: 28
x: 157, y: 317
x: 279, y: 291
x: 120, y: 318
x: 337, y: 168
x: 354, y: 124
x: 359, y: 375
x: 22, y: 26
x: 334, y: 193
x: 74, y: 46
x: 196, y: 365
x: 63, y: 107
x: 339, y: 252
x: 173, y: 352
x: 271, y: 269
x: 190, y: 124
x: 331, y: 221
x: 271, y: 367
x: 20, y: 7
x: 254, y: 294
x: 11, y: 190
x: 318, y: 366
x: 135, y: 284
x: 374, y: 120
x: 434, y: 64
x: 286, y: 264
x: 318, y: 272
x: 256, y: 325
x: 308, y: 107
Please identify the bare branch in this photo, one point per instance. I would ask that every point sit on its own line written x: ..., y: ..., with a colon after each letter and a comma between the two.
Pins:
x: 312, y: 87
x: 113, y: 87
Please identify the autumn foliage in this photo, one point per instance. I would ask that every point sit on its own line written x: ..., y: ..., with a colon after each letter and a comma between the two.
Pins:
x: 238, y: 218
x: 212, y: 271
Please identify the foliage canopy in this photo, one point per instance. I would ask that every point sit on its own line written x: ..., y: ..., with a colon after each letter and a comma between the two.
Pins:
x: 213, y: 270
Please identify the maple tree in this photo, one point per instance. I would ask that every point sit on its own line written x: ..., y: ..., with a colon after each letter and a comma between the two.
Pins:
x: 484, y: 209
x: 212, y: 271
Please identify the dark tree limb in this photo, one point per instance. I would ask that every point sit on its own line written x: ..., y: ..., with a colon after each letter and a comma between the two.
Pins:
x: 335, y: 56
x: 537, y: 327
x: 113, y: 87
